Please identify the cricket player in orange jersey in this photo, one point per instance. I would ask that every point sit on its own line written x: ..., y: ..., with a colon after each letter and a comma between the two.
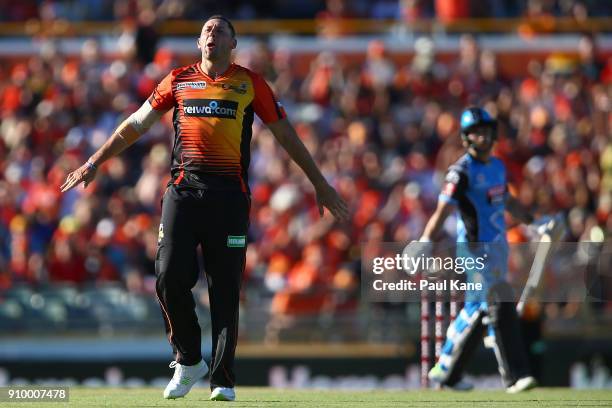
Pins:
x: 207, y: 201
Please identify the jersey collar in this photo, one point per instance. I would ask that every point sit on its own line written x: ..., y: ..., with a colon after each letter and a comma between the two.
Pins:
x: 224, y: 75
x: 476, y: 159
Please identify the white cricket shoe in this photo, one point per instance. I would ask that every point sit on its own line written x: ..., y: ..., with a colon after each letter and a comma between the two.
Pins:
x: 522, y: 384
x: 223, y: 394
x: 184, y: 378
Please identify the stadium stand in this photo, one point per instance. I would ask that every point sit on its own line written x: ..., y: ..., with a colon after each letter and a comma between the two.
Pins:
x: 382, y: 131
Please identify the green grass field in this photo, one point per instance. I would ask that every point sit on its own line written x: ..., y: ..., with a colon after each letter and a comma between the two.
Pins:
x: 259, y: 397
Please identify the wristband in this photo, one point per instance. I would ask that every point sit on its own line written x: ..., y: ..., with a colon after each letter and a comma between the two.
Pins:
x: 91, y: 165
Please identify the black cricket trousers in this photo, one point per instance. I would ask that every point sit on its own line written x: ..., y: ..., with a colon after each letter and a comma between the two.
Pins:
x: 218, y: 221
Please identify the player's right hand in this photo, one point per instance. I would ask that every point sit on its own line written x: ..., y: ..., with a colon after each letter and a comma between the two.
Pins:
x: 84, y: 174
x: 328, y: 197
x: 552, y: 225
x: 541, y: 224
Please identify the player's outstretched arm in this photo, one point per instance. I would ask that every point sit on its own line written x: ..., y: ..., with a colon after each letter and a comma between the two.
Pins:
x: 326, y: 195
x: 126, y: 134
x: 422, y: 247
x: 436, y: 220
x: 518, y: 210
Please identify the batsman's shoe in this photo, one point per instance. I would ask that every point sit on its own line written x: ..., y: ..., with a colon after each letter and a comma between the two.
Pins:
x: 222, y: 394
x: 522, y: 384
x: 437, y: 374
x: 460, y: 385
x: 184, y: 378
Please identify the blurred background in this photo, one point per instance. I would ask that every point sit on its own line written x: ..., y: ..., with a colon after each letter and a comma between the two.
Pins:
x: 374, y: 89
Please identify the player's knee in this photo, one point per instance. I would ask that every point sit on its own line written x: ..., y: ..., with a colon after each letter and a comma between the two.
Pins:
x: 501, y: 292
x: 162, y: 268
x: 501, y: 306
x: 165, y: 261
x: 162, y: 280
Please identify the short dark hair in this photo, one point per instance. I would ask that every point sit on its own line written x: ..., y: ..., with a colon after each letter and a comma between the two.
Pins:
x: 221, y: 17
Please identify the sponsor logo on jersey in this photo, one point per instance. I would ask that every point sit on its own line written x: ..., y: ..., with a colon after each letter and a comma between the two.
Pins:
x: 160, y: 236
x: 453, y: 176
x: 240, y: 89
x: 481, y: 179
x: 452, y: 180
x: 210, y: 108
x: 449, y: 189
x: 194, y: 85
x: 236, y: 241
x: 496, y: 194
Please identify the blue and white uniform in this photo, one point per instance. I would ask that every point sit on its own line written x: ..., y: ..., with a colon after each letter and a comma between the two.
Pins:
x: 479, y: 190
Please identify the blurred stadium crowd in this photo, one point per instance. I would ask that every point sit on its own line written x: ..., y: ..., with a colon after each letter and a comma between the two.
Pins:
x: 382, y: 133
x: 409, y: 10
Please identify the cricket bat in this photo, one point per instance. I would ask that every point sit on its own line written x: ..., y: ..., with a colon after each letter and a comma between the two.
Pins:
x: 554, y: 230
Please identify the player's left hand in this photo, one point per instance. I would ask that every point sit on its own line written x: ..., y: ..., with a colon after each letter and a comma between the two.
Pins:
x: 84, y: 174
x: 416, y: 249
x: 328, y: 197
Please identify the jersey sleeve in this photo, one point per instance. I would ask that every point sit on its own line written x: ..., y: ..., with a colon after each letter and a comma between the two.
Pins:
x: 162, y: 98
x: 455, y: 185
x: 265, y: 104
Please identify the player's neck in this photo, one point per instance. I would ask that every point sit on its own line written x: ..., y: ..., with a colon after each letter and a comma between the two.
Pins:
x: 214, y: 69
x: 481, y: 157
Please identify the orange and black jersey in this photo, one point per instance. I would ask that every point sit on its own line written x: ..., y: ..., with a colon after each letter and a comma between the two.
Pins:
x: 213, y: 123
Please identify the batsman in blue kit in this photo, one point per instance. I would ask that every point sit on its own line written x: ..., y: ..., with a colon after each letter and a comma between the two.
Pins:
x: 475, y: 188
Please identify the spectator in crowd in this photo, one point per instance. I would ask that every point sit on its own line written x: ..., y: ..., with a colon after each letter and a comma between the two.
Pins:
x: 330, y: 12
x: 331, y: 21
